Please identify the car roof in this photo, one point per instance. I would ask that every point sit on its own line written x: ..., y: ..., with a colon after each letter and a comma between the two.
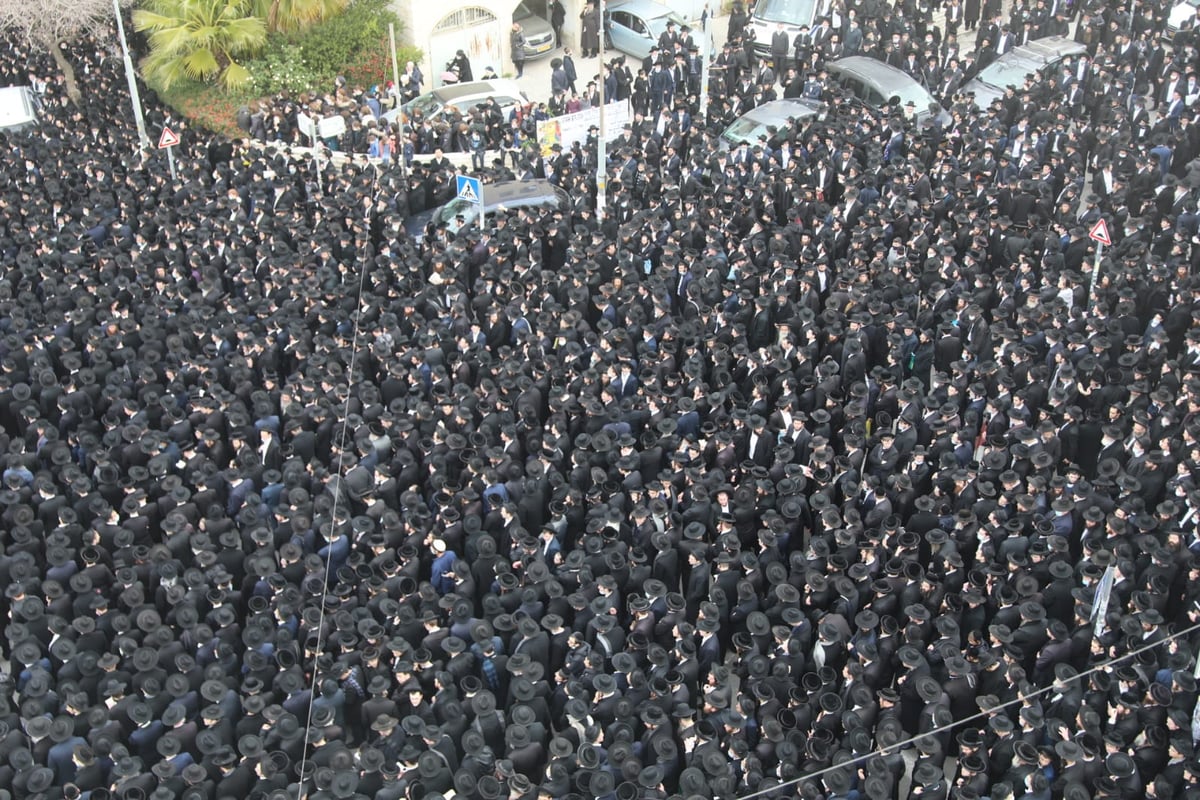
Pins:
x: 505, y: 192
x: 646, y: 9
x: 1046, y: 50
x: 1031, y: 57
x: 16, y: 106
x: 459, y: 91
x: 872, y: 70
x: 780, y: 110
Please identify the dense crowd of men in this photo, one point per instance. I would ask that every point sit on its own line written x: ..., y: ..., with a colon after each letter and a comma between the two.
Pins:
x: 815, y: 468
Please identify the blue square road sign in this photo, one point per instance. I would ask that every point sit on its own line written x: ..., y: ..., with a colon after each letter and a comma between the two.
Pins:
x: 469, y: 189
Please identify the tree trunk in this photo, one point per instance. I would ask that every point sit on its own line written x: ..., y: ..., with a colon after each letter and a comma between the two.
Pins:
x: 67, y: 70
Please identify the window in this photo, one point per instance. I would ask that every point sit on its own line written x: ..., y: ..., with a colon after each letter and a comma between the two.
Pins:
x: 464, y: 18
x: 627, y: 20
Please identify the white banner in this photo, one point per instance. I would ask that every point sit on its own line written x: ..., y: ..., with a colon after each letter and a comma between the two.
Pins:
x: 305, y: 124
x: 330, y: 127
x: 571, y: 128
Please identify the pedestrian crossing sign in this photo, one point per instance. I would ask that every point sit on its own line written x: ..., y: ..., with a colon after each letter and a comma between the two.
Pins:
x: 468, y: 189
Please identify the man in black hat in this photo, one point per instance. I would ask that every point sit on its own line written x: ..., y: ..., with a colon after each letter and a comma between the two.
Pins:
x: 256, y: 260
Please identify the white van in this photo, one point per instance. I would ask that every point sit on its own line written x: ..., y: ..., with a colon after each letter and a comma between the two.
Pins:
x: 765, y: 16
x: 18, y: 108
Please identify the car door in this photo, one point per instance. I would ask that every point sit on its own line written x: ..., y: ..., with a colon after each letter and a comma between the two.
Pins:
x: 627, y: 31
x: 854, y: 86
x: 872, y: 96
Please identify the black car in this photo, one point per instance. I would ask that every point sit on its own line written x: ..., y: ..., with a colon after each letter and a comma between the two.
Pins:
x: 459, y: 213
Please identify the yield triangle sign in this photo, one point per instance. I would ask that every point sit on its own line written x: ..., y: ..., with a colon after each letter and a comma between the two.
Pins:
x: 1099, y: 233
x: 168, y: 139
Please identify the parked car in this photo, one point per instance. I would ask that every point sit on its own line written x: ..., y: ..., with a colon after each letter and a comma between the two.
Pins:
x: 635, y: 25
x: 539, y: 35
x: 759, y: 121
x: 1035, y: 58
x: 505, y: 195
x: 18, y: 108
x: 461, y: 97
x: 879, y: 84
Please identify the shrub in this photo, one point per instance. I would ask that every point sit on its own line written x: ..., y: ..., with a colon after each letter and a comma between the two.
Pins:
x: 282, y: 68
x: 327, y: 48
x: 207, y: 107
x: 374, y: 65
x: 354, y: 45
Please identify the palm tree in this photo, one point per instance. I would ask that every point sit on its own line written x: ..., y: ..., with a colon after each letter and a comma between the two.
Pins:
x: 291, y: 16
x: 200, y: 39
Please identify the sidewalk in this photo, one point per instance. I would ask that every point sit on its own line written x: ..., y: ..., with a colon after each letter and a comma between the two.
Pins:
x: 536, y: 80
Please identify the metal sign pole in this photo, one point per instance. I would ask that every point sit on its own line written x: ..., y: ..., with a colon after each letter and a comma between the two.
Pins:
x: 171, y: 162
x: 602, y: 141
x: 1095, y: 275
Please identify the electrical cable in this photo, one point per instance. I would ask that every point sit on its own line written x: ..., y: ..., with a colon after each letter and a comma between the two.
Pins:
x: 339, y: 486
x: 943, y: 728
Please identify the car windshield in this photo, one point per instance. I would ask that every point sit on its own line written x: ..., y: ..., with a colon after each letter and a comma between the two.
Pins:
x: 522, y: 11
x: 795, y: 12
x: 746, y: 129
x: 423, y: 106
x: 913, y: 92
x: 1003, y: 73
x: 457, y: 206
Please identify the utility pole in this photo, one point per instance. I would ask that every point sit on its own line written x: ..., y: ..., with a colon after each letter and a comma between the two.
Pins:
x: 131, y: 77
x: 602, y: 141
x: 403, y: 139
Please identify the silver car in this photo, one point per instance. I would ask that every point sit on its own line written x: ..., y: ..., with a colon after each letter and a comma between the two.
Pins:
x: 539, y: 35
x: 759, y: 121
x: 635, y: 25
x: 879, y: 84
x: 1032, y: 59
x: 461, y: 97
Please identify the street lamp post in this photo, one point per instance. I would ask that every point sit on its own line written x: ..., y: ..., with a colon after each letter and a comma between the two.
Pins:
x: 403, y: 139
x: 131, y: 77
x: 601, y: 143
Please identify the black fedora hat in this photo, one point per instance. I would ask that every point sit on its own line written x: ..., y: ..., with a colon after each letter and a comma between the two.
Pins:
x: 1120, y: 766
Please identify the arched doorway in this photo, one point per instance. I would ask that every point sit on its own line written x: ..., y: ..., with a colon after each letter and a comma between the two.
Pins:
x: 472, y: 29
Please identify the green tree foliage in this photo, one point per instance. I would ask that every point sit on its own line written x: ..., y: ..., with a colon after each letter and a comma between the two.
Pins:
x: 293, y: 16
x: 329, y: 49
x: 352, y: 44
x: 205, y: 40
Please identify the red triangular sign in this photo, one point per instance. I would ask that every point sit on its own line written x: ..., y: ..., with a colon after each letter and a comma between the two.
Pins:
x: 1098, y: 233
x: 168, y: 139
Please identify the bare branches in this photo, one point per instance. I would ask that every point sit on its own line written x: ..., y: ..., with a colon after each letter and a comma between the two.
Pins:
x: 48, y: 22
